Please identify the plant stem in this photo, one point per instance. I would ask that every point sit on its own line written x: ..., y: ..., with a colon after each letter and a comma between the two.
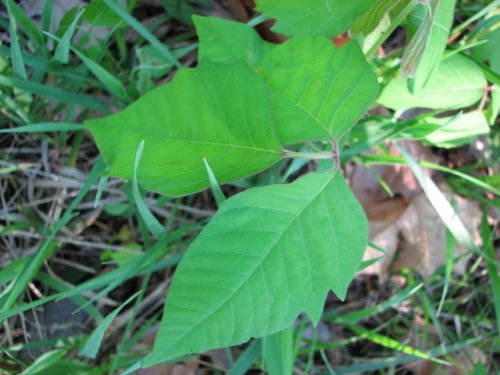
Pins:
x: 310, y: 155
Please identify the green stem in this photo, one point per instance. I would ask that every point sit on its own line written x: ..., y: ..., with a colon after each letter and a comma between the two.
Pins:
x: 310, y: 155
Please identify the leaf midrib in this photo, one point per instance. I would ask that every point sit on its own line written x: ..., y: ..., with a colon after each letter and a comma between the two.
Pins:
x: 228, y: 145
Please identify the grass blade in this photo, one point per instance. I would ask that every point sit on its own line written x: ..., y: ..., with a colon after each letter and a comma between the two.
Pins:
x: 44, y: 251
x: 390, y: 343
x: 15, y: 49
x: 45, y: 361
x: 450, y: 247
x: 47, y: 91
x: 94, y: 341
x: 147, y: 263
x: 109, y: 81
x: 12, y: 270
x: 61, y: 286
x: 396, y: 361
x: 247, y: 359
x: 62, y: 49
x: 439, y: 202
x: 45, y: 127
x: 278, y: 353
x: 393, y: 160
x: 489, y: 250
x: 44, y: 65
x: 214, y: 185
x: 145, y: 33
x: 151, y: 222
x: 100, y: 188
x: 26, y: 25
x: 47, y: 14
x: 14, y: 106
x: 357, y: 316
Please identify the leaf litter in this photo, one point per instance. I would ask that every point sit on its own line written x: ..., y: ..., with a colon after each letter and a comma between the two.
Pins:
x: 406, y: 225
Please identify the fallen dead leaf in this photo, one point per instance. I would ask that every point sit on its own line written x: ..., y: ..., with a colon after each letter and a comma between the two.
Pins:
x: 417, y: 238
x: 406, y: 225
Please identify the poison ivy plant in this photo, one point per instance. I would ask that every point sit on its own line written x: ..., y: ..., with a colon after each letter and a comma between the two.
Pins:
x: 272, y: 252
x: 237, y: 112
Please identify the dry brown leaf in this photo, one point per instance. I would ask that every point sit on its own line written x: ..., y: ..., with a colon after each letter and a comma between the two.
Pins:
x: 417, y: 238
x: 406, y: 225
x: 398, y: 177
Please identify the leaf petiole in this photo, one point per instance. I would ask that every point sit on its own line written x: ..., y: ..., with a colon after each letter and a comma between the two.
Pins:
x: 310, y: 155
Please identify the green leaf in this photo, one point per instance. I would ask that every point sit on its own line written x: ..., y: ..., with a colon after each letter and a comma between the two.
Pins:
x: 97, y: 13
x: 457, y: 83
x: 152, y: 61
x: 494, y: 106
x: 488, y: 32
x: 269, y: 254
x: 395, y: 14
x: 220, y: 112
x: 416, y: 47
x: 459, y: 131
x: 318, y: 91
x: 301, y: 18
x: 371, y: 19
x: 434, y: 31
